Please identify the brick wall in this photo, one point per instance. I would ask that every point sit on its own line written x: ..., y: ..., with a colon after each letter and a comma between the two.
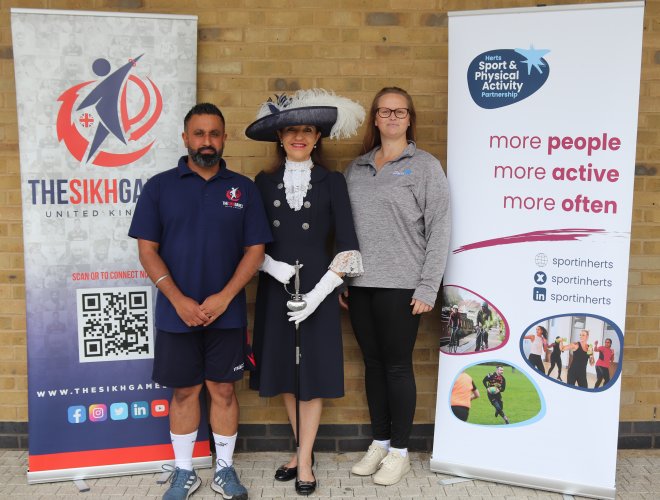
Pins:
x: 250, y: 49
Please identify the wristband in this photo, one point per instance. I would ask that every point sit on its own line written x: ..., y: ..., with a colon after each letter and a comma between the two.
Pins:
x: 161, y: 279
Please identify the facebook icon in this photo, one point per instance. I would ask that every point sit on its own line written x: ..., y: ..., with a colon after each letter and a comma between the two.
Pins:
x: 77, y: 414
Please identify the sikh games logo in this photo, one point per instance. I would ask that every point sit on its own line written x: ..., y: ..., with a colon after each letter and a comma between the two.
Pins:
x: 119, y: 106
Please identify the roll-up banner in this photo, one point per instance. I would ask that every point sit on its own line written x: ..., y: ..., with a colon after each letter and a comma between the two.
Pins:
x: 541, y: 162
x: 101, y: 99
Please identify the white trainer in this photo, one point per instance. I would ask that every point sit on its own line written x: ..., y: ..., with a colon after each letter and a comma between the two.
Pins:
x: 393, y: 467
x: 370, y: 461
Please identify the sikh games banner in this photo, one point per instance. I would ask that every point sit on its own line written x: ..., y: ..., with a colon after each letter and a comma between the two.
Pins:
x: 101, y: 98
x: 541, y: 160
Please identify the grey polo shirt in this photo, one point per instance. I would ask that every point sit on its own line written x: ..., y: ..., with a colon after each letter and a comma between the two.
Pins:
x: 402, y: 221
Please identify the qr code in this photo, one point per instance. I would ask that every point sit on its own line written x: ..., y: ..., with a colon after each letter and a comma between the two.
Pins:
x: 114, y: 324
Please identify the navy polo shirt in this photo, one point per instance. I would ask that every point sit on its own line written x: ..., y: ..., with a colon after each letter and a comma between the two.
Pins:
x: 202, y: 228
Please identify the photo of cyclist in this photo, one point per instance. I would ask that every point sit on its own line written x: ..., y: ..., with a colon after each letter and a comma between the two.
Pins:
x: 469, y: 323
x: 484, y: 324
x: 454, y: 328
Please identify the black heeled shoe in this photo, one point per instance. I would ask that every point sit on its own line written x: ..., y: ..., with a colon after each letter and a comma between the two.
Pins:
x: 306, y: 487
x: 285, y: 473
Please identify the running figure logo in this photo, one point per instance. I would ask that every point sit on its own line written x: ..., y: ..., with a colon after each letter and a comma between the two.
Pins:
x: 103, y: 115
x: 233, y: 194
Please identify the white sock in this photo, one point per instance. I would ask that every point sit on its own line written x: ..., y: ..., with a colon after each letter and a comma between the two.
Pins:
x: 183, y: 445
x: 224, y: 450
x: 383, y: 444
x: 401, y: 451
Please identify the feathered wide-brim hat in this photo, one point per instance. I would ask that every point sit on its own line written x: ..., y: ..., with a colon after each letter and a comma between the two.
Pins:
x: 334, y: 116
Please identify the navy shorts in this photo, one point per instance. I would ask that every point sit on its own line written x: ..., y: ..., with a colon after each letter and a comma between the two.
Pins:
x: 187, y: 359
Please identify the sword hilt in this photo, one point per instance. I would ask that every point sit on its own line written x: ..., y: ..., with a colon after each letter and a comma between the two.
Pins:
x: 296, y: 281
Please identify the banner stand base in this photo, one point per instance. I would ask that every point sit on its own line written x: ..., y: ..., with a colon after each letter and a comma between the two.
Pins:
x: 80, y: 474
x: 454, y: 480
x: 81, y: 485
x: 542, y: 483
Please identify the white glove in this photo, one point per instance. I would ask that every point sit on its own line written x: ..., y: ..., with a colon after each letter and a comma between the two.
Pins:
x: 326, y: 284
x: 279, y: 270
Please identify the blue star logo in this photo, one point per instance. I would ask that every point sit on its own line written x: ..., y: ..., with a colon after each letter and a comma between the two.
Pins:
x: 533, y: 58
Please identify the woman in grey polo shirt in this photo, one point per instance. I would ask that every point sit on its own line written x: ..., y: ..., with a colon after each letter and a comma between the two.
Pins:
x: 400, y: 201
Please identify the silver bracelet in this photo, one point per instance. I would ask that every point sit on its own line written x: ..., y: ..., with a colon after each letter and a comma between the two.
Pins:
x: 161, y: 279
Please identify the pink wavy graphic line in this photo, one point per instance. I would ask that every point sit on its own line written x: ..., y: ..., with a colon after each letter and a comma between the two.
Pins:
x: 568, y: 234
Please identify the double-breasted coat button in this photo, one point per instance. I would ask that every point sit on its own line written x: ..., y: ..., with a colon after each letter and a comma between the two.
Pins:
x: 309, y: 187
x: 280, y: 185
x: 276, y: 223
x: 277, y: 203
x: 305, y: 226
x: 307, y: 204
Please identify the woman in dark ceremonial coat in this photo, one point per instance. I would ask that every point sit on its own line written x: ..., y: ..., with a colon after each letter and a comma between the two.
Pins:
x: 310, y: 215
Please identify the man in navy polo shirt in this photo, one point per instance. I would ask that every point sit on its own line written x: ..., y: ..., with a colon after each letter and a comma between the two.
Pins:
x: 201, y: 231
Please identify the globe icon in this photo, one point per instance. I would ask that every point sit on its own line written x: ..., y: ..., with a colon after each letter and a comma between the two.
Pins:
x: 541, y: 259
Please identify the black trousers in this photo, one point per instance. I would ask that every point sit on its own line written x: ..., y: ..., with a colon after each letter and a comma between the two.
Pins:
x: 386, y: 331
x: 577, y: 376
x: 602, y: 376
x: 461, y: 412
x: 555, y: 361
x: 537, y: 362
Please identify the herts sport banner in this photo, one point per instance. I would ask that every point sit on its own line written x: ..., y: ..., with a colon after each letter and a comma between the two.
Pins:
x: 101, y: 99
x: 541, y: 160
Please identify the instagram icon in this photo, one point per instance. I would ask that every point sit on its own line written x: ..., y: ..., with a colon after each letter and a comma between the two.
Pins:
x: 98, y: 413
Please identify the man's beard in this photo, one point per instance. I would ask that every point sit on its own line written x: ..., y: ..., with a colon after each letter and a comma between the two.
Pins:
x: 205, y: 160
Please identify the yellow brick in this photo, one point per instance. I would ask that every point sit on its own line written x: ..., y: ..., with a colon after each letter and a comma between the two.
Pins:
x: 232, y: 18
x: 627, y: 398
x: 12, y: 306
x: 634, y: 278
x: 646, y: 232
x: 641, y: 354
x: 315, y: 34
x: 13, y: 368
x: 645, y: 293
x: 7, y: 383
x: 267, y: 68
x: 21, y: 413
x: 316, y: 68
x: 650, y: 309
x: 647, y: 398
x: 643, y: 323
x: 290, y: 51
x: 341, y: 84
x: 649, y: 339
x: 255, y: 35
x: 234, y: 84
x: 221, y: 68
x: 10, y: 414
x: 337, y: 51
x: 21, y: 383
x: 340, y: 18
x: 349, y: 415
x: 649, y: 368
x: 13, y: 397
x: 18, y: 323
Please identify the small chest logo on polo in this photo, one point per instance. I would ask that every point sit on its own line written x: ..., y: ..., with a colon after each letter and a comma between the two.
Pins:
x: 405, y: 171
x: 233, y: 195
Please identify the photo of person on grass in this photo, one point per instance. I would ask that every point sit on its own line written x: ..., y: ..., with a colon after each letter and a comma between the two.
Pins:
x: 511, y: 396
